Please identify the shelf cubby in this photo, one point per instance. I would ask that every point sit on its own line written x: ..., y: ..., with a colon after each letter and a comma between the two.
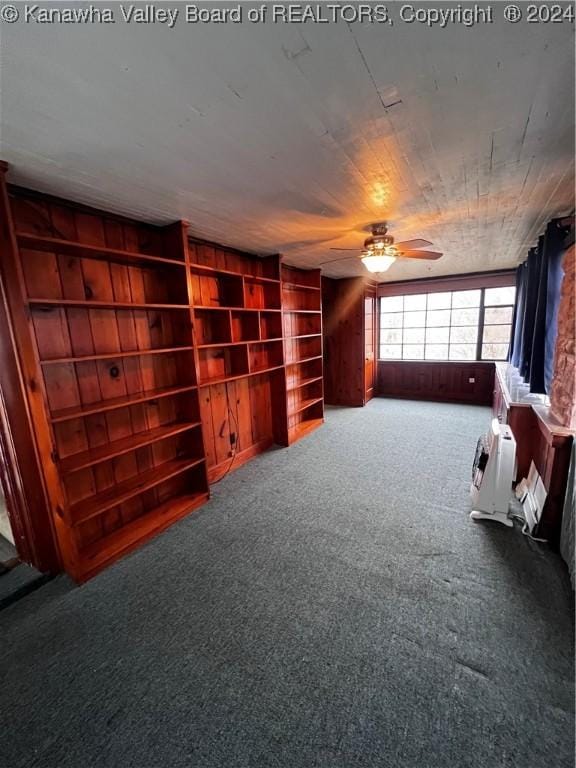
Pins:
x: 265, y: 355
x: 300, y: 299
x: 217, y: 289
x: 245, y: 326
x: 61, y: 247
x: 205, y: 255
x: 114, y: 535
x: 261, y: 295
x: 212, y: 327
x: 119, y: 493
x: 302, y: 323
x: 297, y: 349
x: 111, y: 450
x: 219, y: 363
x: 307, y: 279
x: 70, y: 333
x: 91, y: 408
x: 270, y: 325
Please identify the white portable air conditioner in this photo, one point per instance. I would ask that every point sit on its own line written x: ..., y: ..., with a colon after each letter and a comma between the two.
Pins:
x: 492, y: 474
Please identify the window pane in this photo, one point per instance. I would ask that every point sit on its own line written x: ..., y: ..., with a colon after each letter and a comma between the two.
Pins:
x: 414, y: 319
x: 494, y: 351
x: 497, y: 315
x: 391, y: 336
x: 438, y: 317
x: 391, y: 320
x: 415, y: 302
x: 437, y: 335
x: 436, y: 352
x: 462, y: 351
x: 414, y: 335
x: 391, y: 304
x: 439, y: 300
x: 465, y: 316
x: 499, y: 295
x: 466, y: 299
x: 463, y: 334
x: 413, y: 352
x: 496, y: 333
x: 390, y: 351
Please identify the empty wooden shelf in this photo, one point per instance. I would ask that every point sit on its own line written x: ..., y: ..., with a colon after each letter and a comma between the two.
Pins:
x: 124, y: 491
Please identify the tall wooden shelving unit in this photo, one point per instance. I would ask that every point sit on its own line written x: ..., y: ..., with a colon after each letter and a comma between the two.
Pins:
x: 238, y: 336
x: 302, y: 325
x: 109, y: 327
x: 151, y: 365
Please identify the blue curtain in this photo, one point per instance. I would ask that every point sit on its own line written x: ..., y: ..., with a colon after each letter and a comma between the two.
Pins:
x: 535, y: 319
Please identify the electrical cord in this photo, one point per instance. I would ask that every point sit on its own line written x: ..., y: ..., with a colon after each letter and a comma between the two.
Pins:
x: 231, y: 415
x: 525, y: 531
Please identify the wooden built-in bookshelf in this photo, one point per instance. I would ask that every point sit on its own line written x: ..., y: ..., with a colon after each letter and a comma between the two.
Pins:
x: 238, y: 336
x: 152, y: 364
x: 110, y: 330
x: 302, y: 326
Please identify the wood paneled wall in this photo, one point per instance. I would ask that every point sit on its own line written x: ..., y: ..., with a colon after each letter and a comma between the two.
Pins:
x: 471, y: 382
x: 349, y: 321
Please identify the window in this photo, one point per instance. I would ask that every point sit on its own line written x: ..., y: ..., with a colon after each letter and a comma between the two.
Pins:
x: 454, y: 325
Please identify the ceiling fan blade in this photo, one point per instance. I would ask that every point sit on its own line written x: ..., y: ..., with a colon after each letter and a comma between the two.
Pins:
x: 433, y: 255
x: 345, y: 249
x: 411, y: 244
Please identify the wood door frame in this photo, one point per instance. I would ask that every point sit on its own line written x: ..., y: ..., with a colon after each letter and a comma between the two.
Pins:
x: 21, y: 471
x: 370, y: 291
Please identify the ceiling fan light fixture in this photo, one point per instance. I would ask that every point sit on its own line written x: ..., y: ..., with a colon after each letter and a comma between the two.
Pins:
x: 376, y: 262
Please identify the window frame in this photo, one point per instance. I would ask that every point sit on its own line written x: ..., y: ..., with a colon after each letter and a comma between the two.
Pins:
x: 481, y: 323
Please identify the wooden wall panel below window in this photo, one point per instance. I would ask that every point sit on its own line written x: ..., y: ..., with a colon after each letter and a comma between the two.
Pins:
x: 471, y: 382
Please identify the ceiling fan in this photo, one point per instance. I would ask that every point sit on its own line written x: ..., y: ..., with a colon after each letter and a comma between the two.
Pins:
x: 380, y: 251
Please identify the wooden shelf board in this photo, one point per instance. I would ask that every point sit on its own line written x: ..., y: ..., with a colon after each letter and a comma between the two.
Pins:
x: 304, y: 336
x: 89, y: 304
x: 304, y: 360
x: 304, y: 383
x: 302, y: 429
x: 303, y: 311
x: 300, y: 286
x: 84, y: 250
x: 116, y: 355
x: 127, y: 489
x: 231, y: 273
x: 76, y: 412
x: 236, y: 343
x: 304, y: 405
x: 223, y: 380
x: 238, y: 309
x: 138, y: 531
x: 119, y: 447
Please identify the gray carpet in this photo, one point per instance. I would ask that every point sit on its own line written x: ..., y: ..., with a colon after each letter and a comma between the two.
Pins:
x: 333, y: 605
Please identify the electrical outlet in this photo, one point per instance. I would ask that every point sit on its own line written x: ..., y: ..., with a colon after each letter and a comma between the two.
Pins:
x: 471, y: 380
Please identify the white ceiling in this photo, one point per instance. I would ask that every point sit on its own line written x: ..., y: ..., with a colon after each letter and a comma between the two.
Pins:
x: 276, y: 138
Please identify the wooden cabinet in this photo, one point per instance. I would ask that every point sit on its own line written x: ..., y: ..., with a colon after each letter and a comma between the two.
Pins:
x: 349, y: 319
x: 541, y: 440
